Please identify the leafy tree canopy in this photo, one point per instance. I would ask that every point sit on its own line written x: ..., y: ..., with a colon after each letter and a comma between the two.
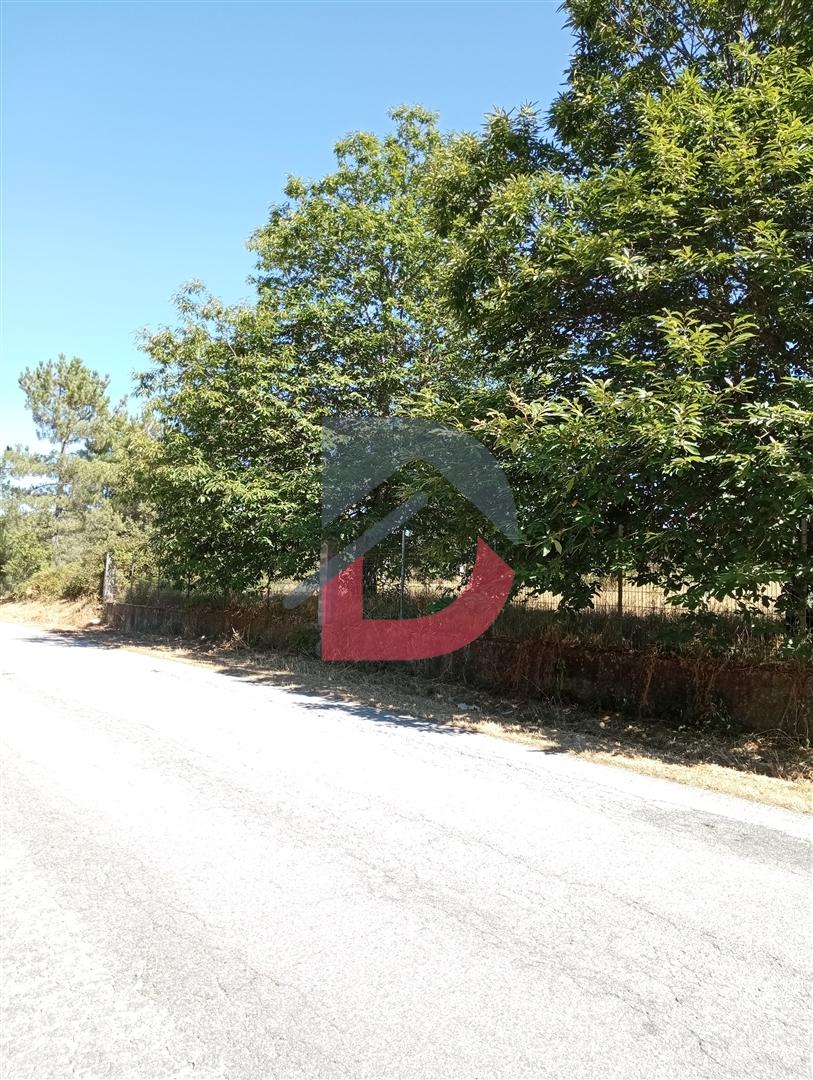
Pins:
x: 348, y: 321
x: 639, y: 276
x: 62, y: 506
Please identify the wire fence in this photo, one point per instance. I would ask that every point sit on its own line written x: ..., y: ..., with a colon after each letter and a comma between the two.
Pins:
x: 622, y: 597
x: 623, y: 615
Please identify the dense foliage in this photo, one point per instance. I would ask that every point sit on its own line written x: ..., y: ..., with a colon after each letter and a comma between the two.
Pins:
x: 639, y: 274
x: 64, y: 506
x: 348, y: 321
x: 617, y: 297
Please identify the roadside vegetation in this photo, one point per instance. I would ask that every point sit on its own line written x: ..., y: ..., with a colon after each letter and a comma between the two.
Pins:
x: 615, y: 296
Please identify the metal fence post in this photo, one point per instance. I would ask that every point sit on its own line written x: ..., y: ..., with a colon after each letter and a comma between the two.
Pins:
x: 803, y: 596
x: 403, y: 575
x: 619, y: 600
x: 324, y: 558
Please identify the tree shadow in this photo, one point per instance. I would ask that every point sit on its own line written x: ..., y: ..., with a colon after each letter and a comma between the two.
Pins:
x: 314, y: 688
x: 400, y: 696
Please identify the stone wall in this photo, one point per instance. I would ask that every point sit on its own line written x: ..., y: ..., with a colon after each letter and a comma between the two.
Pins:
x: 752, y: 697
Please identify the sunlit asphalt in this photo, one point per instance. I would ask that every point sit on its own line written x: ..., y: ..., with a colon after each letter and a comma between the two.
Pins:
x: 209, y: 877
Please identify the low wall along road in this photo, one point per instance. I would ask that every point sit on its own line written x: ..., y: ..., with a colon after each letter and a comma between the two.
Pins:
x: 752, y: 697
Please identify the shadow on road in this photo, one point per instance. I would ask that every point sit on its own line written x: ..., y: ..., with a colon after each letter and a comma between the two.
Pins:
x: 315, y: 690
x: 396, y: 695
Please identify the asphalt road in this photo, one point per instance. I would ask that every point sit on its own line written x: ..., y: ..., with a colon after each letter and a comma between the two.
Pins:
x: 205, y: 877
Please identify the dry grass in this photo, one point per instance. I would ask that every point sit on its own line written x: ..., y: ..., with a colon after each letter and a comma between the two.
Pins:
x: 53, y: 614
x: 648, y: 599
x: 771, y: 768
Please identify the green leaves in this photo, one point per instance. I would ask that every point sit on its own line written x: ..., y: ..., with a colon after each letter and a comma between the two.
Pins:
x: 64, y: 506
x: 67, y: 401
x: 618, y: 300
x: 639, y: 277
x: 348, y: 321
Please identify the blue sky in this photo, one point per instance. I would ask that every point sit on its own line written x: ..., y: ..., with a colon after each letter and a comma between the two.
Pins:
x: 143, y: 142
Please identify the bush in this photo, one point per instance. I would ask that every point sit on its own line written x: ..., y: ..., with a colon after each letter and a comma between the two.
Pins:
x: 69, y: 582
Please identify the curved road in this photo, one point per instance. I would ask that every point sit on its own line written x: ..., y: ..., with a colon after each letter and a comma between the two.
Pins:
x: 207, y: 877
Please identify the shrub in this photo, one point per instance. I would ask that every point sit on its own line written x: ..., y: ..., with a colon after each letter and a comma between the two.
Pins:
x: 69, y: 582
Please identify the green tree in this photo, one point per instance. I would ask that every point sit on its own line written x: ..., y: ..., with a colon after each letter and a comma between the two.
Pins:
x: 639, y: 274
x: 348, y: 321
x: 59, y: 505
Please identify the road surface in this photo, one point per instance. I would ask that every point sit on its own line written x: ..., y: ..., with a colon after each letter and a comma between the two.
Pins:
x: 206, y: 877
